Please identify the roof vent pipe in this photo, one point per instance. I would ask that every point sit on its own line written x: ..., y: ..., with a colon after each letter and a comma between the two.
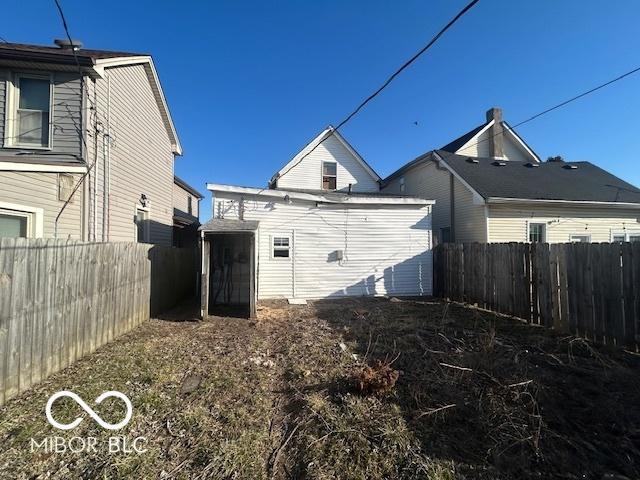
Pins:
x: 496, y: 133
x: 65, y: 44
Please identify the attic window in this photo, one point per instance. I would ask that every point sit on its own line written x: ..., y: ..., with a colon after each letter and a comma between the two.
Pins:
x: 570, y: 167
x: 499, y: 164
x: 532, y: 165
x: 329, y: 175
x: 472, y: 160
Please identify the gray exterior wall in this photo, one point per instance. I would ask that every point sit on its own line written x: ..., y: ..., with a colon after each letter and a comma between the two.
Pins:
x: 181, y: 202
x: 140, y: 156
x: 66, y: 141
x: 40, y: 190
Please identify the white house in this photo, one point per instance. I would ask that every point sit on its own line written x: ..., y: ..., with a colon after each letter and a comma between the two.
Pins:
x: 323, y: 229
x: 490, y: 186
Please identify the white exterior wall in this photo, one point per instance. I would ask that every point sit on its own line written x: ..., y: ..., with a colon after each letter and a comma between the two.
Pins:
x: 479, y: 147
x: 510, y: 223
x: 469, y: 217
x: 387, y: 249
x: 308, y: 173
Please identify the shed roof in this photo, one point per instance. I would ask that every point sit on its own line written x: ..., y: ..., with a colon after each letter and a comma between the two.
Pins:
x: 229, y: 225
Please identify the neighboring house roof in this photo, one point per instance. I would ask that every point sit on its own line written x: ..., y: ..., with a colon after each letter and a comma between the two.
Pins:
x: 563, y: 181
x: 326, y: 133
x: 229, y: 225
x: 94, y: 63
x: 459, y: 142
x: 185, y: 186
x: 372, y: 198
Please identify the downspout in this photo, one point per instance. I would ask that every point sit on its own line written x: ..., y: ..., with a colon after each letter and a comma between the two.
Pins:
x: 108, y: 161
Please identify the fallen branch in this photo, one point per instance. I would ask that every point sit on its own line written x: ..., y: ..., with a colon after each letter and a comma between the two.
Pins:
x: 465, y: 369
x: 520, y: 384
x: 435, y: 410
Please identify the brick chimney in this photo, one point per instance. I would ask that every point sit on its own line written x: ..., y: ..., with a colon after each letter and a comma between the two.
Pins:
x: 496, y: 137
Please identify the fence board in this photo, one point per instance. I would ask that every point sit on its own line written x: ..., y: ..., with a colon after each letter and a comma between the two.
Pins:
x: 62, y: 299
x: 592, y: 290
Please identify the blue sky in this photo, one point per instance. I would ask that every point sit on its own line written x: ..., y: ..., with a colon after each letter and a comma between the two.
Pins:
x: 250, y: 83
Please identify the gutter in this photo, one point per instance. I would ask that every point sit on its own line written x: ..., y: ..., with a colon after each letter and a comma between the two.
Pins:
x: 585, y: 203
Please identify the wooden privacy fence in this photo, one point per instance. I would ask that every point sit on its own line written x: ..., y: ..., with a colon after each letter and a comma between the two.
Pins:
x: 60, y: 300
x: 588, y: 289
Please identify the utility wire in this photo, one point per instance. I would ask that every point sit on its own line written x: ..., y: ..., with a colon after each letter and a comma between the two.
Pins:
x: 390, y: 79
x: 3, y: 40
x: 555, y: 107
x: 82, y: 132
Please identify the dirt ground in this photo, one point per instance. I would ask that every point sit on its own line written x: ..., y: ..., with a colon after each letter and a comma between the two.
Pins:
x: 478, y: 396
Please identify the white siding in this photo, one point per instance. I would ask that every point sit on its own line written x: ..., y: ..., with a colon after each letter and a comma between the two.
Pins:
x: 510, y: 223
x: 141, y: 157
x: 40, y: 190
x: 479, y: 147
x: 426, y: 180
x: 181, y: 201
x: 308, y: 173
x: 470, y: 220
x: 387, y: 249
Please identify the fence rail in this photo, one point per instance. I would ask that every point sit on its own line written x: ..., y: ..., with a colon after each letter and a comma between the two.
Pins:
x: 588, y: 289
x: 60, y: 300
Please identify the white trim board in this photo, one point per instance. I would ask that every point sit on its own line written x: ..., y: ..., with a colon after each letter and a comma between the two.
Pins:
x: 319, y: 197
x: 38, y: 216
x: 500, y: 200
x: 40, y: 167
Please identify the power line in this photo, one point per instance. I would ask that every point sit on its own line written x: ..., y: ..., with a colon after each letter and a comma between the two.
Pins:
x: 555, y: 107
x: 391, y: 78
x: 4, y: 40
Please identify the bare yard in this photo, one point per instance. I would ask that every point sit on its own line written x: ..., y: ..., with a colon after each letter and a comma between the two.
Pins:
x: 478, y: 396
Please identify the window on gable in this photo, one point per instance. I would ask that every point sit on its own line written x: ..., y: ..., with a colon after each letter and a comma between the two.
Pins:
x: 329, y: 175
x: 281, y: 247
x: 536, y: 232
x: 402, y: 186
x: 31, y: 112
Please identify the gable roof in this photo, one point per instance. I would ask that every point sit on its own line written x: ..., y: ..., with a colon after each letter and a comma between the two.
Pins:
x: 326, y: 133
x: 546, y: 181
x: 185, y: 186
x: 459, y: 142
x: 93, y: 63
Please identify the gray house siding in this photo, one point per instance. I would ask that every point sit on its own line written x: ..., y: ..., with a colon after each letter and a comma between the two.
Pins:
x: 66, y: 141
x: 141, y: 158
x: 40, y: 190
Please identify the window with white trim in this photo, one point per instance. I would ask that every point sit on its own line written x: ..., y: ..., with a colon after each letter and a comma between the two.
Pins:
x: 280, y: 246
x: 619, y: 237
x: 30, y: 118
x: 329, y: 175
x: 402, y: 185
x: 14, y: 223
x: 537, y: 232
x: 580, y: 238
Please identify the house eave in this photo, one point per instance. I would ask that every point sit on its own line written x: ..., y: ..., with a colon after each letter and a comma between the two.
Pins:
x: 587, y: 203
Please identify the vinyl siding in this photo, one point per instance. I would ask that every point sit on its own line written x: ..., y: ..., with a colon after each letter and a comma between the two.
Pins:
x: 480, y: 148
x: 141, y: 157
x: 387, y: 250
x: 427, y: 181
x: 469, y: 217
x: 40, y: 190
x: 510, y: 224
x: 308, y: 173
x: 66, y: 143
x: 181, y: 202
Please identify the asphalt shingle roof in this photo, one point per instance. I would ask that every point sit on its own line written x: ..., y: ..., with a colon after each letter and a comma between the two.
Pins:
x: 548, y: 181
x: 21, y: 51
x: 460, y: 141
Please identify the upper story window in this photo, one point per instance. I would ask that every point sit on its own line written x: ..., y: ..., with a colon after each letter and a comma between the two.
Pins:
x: 402, y: 186
x: 329, y: 175
x: 189, y: 205
x: 29, y: 124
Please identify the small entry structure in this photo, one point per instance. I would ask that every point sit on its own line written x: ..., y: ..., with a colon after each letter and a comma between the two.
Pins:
x: 228, y: 285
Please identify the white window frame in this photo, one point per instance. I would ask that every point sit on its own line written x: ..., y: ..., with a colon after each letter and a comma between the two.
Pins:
x: 13, y: 98
x: 273, y: 246
x: 574, y: 235
x: 624, y: 233
x: 544, y: 231
x: 135, y: 224
x: 322, y: 175
x: 34, y: 215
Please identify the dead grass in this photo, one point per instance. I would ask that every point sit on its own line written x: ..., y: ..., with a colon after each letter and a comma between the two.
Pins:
x: 476, y: 396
